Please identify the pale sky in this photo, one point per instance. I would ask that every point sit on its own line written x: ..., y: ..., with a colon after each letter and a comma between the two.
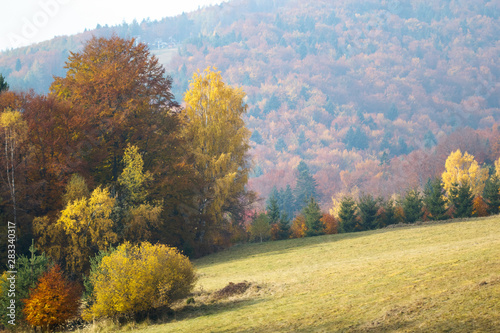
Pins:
x: 24, y: 22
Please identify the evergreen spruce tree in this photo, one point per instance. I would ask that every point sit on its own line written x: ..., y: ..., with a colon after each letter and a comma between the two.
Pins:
x: 288, y: 202
x: 412, y: 206
x: 273, y: 210
x: 284, y: 227
x: 491, y: 195
x: 462, y: 200
x: 306, y: 186
x: 347, y: 215
x: 368, y: 208
x: 312, y: 214
x: 3, y: 84
x: 434, y: 199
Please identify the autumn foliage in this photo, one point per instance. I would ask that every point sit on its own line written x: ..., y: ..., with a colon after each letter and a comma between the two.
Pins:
x: 139, y: 278
x: 53, y: 301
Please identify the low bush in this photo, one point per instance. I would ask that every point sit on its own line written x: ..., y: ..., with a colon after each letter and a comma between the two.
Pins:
x: 139, y: 279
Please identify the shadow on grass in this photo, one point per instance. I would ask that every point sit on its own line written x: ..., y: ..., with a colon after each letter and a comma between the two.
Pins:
x: 271, y: 248
x: 193, y: 311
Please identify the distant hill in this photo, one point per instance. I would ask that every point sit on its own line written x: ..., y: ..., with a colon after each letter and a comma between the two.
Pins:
x: 366, y: 92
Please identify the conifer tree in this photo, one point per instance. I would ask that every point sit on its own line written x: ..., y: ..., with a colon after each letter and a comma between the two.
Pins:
x: 492, y: 194
x: 273, y: 211
x: 434, y: 199
x: 368, y: 208
x: 412, y: 206
x: 3, y: 84
x: 347, y: 215
x: 462, y: 199
x: 288, y: 202
x: 312, y: 215
x: 306, y: 186
x: 284, y: 227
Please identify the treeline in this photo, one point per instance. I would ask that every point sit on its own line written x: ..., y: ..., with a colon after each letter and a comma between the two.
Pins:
x: 465, y: 189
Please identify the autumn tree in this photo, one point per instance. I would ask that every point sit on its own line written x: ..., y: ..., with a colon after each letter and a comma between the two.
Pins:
x: 136, y: 217
x: 434, y: 199
x: 464, y: 168
x: 330, y: 224
x: 347, y: 215
x: 298, y: 228
x: 29, y: 269
x: 218, y: 140
x: 75, y: 189
x: 387, y: 213
x: 53, y: 301
x: 83, y: 228
x: 14, y: 131
x: 161, y: 276
x: 126, y: 98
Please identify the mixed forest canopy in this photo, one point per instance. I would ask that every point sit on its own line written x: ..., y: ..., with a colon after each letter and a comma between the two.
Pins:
x: 372, y: 95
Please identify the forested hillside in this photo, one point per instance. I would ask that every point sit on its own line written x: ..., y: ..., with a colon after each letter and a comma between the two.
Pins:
x: 372, y: 95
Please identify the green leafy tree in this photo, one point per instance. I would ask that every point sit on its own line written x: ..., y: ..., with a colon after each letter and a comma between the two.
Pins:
x: 312, y: 214
x: 306, y: 186
x: 412, y: 206
x: 368, y: 208
x: 434, y: 199
x: 491, y: 195
x: 347, y: 215
x: 260, y: 227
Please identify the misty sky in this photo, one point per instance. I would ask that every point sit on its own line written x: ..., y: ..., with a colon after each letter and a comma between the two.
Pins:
x: 30, y: 21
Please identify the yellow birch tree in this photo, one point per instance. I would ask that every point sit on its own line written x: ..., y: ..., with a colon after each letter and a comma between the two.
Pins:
x: 464, y: 168
x: 218, y: 139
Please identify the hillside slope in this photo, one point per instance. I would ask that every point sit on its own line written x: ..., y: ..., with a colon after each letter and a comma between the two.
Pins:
x: 416, y: 279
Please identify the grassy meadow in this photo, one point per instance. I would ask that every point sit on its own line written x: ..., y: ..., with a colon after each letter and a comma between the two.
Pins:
x: 427, y: 278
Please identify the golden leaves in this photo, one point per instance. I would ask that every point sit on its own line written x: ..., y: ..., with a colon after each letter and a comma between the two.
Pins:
x: 464, y: 168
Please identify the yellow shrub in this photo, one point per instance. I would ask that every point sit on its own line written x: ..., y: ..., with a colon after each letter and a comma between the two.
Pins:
x: 139, y: 278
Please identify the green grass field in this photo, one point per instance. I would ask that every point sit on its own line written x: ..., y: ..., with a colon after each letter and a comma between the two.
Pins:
x: 428, y: 278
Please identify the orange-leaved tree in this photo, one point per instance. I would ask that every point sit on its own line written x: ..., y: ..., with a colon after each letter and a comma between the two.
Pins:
x: 53, y: 301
